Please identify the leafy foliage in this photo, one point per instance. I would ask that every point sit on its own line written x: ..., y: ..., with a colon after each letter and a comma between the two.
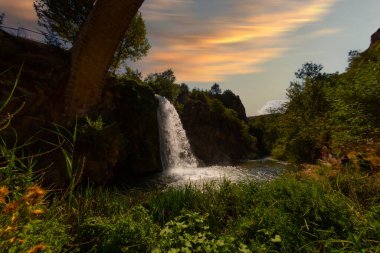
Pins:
x: 331, y: 110
x: 303, y: 127
x: 163, y: 83
x: 228, y: 137
x: 134, y: 44
x: 356, y: 101
x: 131, y: 74
x: 264, y: 128
x: 232, y: 101
x: 309, y: 70
x: 62, y: 20
x: 215, y: 89
x: 189, y: 232
x: 130, y: 232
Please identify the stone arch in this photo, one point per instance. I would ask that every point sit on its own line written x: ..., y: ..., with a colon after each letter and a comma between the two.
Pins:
x: 92, y: 52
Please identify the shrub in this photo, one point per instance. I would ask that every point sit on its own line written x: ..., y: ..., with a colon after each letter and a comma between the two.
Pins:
x: 189, y: 232
x: 130, y: 232
x: 305, y: 214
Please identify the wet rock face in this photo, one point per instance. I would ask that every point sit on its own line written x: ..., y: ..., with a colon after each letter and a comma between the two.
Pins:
x: 375, y: 38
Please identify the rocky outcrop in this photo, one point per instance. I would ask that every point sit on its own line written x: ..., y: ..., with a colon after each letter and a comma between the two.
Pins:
x: 216, y: 134
x: 375, y: 38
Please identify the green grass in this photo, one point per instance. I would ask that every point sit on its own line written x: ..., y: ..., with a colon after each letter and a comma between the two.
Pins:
x: 290, y: 214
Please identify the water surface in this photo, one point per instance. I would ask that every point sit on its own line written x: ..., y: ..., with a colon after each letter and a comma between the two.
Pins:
x: 256, y: 170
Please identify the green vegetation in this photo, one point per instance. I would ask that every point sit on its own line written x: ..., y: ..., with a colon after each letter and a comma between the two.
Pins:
x: 263, y: 127
x: 338, y: 112
x: 291, y: 214
x: 164, y: 84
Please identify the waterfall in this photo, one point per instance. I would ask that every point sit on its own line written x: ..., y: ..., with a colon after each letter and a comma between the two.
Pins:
x: 174, y: 146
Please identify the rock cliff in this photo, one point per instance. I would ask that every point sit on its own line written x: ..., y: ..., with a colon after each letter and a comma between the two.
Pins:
x: 216, y: 133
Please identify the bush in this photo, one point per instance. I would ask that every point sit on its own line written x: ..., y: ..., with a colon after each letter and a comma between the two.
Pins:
x: 190, y: 232
x: 306, y: 215
x: 130, y: 232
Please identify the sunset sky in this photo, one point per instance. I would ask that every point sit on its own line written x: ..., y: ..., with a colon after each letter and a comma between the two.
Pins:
x: 252, y: 47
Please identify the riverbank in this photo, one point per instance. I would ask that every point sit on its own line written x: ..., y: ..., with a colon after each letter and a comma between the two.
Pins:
x: 292, y: 213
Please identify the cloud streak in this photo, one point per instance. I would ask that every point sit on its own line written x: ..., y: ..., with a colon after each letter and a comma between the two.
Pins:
x: 20, y: 9
x: 210, y: 40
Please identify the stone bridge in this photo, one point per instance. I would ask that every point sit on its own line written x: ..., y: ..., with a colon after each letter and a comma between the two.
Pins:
x: 92, y: 52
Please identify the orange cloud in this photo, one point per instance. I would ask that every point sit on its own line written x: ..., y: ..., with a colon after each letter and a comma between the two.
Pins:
x: 209, y: 40
x: 21, y: 10
x: 204, y: 67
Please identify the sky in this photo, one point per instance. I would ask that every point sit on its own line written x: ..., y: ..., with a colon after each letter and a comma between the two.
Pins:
x: 252, y: 47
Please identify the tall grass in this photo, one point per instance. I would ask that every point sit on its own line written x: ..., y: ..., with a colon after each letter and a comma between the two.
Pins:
x: 66, y: 143
x: 25, y: 225
x: 290, y: 214
x: 303, y: 214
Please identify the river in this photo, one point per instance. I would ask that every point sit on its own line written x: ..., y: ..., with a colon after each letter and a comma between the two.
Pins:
x: 252, y: 170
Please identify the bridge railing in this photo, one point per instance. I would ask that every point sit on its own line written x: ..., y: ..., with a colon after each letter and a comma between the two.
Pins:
x: 24, y: 33
x: 34, y: 36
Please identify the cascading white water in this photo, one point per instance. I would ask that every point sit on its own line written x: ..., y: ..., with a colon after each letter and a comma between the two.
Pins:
x: 179, y: 163
x: 174, y: 146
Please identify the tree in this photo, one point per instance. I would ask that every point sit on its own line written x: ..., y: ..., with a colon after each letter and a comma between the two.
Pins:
x: 164, y: 84
x: 215, y: 89
x: 63, y: 19
x: 134, y: 45
x: 184, y: 88
x: 353, y: 59
x: 356, y: 100
x: 304, y: 127
x: 133, y: 74
x: 309, y: 70
x: 232, y: 101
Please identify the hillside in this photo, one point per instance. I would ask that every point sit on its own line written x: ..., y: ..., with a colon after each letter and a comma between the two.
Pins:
x: 327, y: 114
